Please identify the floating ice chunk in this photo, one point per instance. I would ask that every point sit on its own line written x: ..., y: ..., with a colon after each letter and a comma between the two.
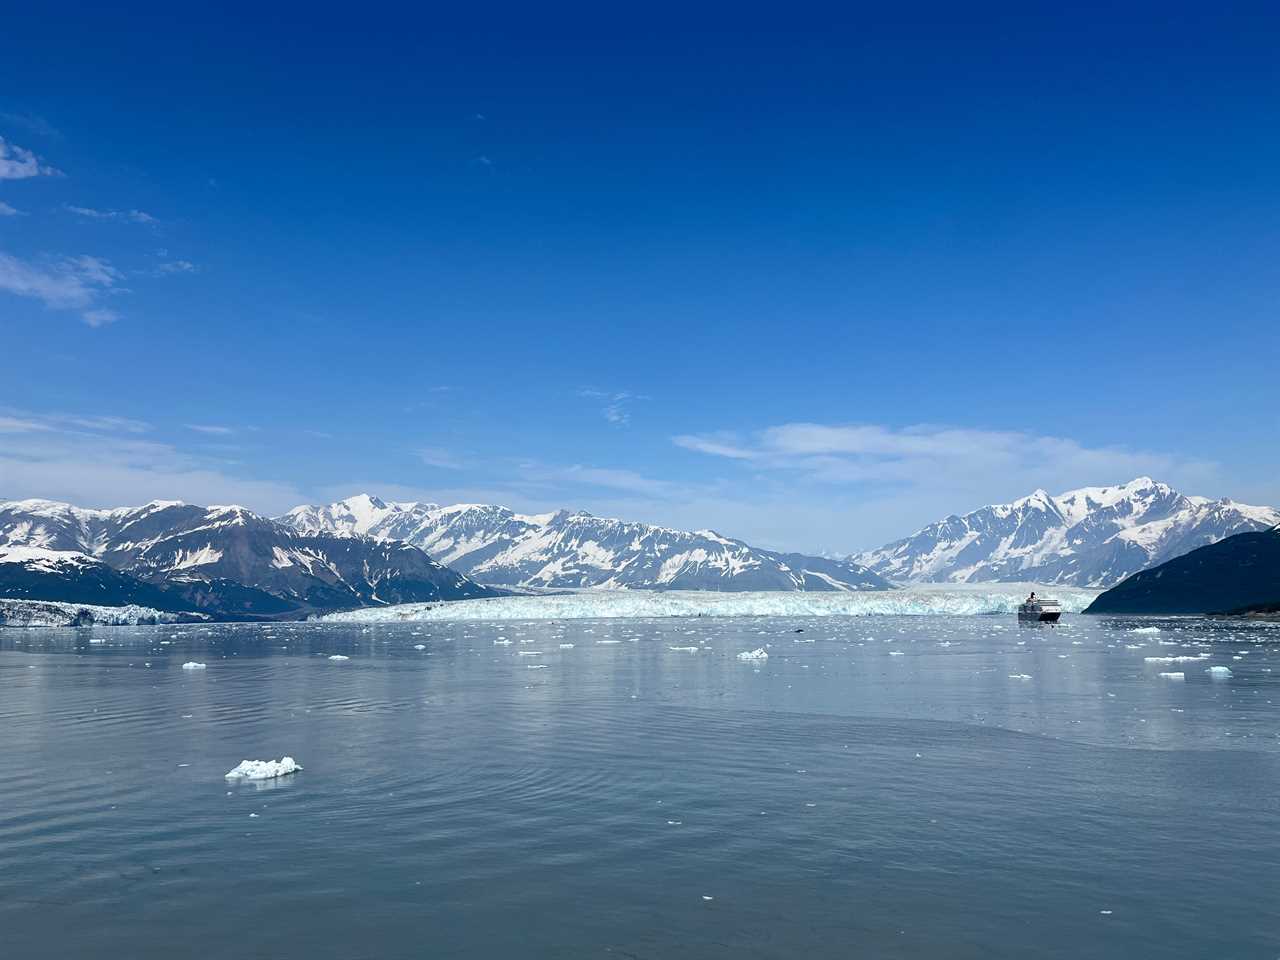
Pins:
x: 1174, y: 675
x: 1199, y: 656
x: 264, y: 769
x: 1219, y: 671
x: 896, y: 653
x: 529, y: 653
x: 566, y: 646
x: 192, y: 665
x: 683, y: 649
x: 1145, y: 630
x: 1019, y: 676
x: 419, y: 646
x: 338, y: 656
x: 608, y: 643
x: 96, y: 640
x: 759, y: 653
x: 804, y: 640
x: 536, y: 666
x: 502, y: 643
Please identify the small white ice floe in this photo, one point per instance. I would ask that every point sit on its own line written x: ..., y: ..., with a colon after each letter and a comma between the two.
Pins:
x: 264, y: 769
x: 1219, y: 671
x: 683, y: 649
x: 97, y: 640
x: 566, y: 646
x: 502, y: 643
x: 1198, y: 656
x: 419, y: 646
x: 536, y: 666
x: 896, y: 653
x: 805, y: 640
x: 1150, y: 630
x: 1174, y: 675
x: 529, y: 653
x: 193, y: 665
x: 1019, y: 676
x: 607, y: 643
x: 759, y: 653
x: 338, y: 656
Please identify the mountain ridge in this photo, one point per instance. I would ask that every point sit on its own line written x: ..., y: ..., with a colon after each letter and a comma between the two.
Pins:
x: 225, y: 560
x: 1090, y: 537
x: 572, y: 549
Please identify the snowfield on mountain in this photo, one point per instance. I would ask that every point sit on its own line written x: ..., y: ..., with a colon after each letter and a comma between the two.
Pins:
x: 1091, y: 537
x: 497, y: 546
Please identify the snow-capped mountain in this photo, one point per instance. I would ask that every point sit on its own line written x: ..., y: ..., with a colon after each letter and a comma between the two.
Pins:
x: 1091, y: 537
x: 495, y: 545
x: 34, y: 573
x: 228, y: 560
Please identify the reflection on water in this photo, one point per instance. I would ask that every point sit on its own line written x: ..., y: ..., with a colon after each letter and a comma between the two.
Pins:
x: 879, y: 786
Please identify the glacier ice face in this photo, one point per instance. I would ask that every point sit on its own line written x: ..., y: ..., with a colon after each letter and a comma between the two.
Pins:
x: 56, y: 613
x: 950, y: 599
x: 264, y: 769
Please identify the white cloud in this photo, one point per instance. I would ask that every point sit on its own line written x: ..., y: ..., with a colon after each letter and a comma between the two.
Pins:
x: 17, y: 163
x: 211, y: 428
x: 8, y: 211
x: 439, y: 457
x: 130, y: 216
x: 70, y: 283
x: 876, y: 483
x: 616, y: 405
x: 102, y: 461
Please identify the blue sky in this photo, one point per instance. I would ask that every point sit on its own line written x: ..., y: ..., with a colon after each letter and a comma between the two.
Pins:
x: 812, y: 280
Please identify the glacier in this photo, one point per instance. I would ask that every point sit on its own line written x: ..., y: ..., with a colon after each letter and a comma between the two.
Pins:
x: 56, y: 613
x: 947, y: 600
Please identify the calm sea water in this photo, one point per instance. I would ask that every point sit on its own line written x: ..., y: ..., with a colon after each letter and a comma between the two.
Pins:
x: 898, y: 787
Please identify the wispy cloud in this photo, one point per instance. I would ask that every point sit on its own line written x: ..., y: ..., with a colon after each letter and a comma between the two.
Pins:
x: 33, y: 123
x: 170, y: 267
x: 69, y: 283
x: 130, y: 216
x: 880, y: 482
x: 212, y: 429
x: 440, y: 457
x: 7, y: 211
x: 615, y: 405
x: 97, y: 460
x: 18, y: 163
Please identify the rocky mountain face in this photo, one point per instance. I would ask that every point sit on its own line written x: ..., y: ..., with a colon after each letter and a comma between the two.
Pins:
x: 1238, y: 574
x: 34, y: 573
x: 1092, y: 537
x: 495, y: 545
x: 226, y: 561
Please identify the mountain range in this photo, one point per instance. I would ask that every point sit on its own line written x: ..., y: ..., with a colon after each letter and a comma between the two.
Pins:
x: 222, y: 560
x: 1091, y: 537
x: 494, y: 545
x: 1240, y: 574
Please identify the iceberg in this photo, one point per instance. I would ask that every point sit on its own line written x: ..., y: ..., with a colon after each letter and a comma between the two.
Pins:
x: 264, y: 769
x: 1219, y: 672
x: 759, y: 653
x: 1174, y: 675
x: 193, y: 665
x: 927, y: 599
